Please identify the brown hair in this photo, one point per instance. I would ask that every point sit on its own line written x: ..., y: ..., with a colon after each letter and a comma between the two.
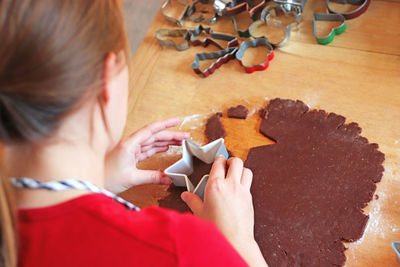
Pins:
x: 52, y: 56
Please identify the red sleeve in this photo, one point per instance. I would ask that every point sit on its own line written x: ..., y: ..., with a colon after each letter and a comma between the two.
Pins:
x: 200, y: 243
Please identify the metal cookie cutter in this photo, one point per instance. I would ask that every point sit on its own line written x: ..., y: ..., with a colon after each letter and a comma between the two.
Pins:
x: 292, y: 5
x: 242, y: 32
x: 177, y: 20
x: 363, y: 6
x: 232, y: 7
x: 200, y: 16
x: 396, y: 248
x: 180, y: 170
x: 335, y: 31
x: 222, y: 56
x: 255, y: 43
x: 191, y: 36
x: 163, y: 35
x: 268, y: 18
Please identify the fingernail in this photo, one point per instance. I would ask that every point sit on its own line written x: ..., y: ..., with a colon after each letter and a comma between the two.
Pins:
x: 166, y: 180
x: 184, y: 197
x: 186, y: 135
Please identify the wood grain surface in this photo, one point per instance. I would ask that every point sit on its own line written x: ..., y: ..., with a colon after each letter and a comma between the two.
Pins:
x: 357, y: 76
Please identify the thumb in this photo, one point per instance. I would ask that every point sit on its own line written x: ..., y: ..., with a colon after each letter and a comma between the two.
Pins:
x: 193, y: 201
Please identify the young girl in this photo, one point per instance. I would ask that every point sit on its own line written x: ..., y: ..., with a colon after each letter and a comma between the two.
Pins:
x: 63, y: 103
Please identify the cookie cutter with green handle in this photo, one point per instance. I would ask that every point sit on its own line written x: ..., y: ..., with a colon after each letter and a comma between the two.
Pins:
x: 222, y: 56
x: 177, y: 20
x: 181, y: 169
x: 192, y: 35
x: 363, y: 6
x: 164, y: 38
x: 199, y: 17
x: 242, y: 32
x: 335, y: 31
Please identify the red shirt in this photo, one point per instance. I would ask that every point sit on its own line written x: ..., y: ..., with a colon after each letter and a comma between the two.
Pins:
x: 93, y: 230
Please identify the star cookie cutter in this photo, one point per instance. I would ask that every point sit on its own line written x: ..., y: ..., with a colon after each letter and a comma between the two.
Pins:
x: 255, y: 43
x: 179, y: 19
x: 335, y: 31
x: 292, y: 5
x: 196, y: 16
x: 231, y: 7
x: 164, y: 38
x: 191, y: 36
x: 180, y: 170
x: 222, y: 56
x: 363, y: 6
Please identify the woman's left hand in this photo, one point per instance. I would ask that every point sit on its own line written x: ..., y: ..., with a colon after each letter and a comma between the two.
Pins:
x: 121, y: 172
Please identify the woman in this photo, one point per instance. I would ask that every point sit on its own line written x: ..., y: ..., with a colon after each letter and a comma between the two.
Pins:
x: 63, y: 104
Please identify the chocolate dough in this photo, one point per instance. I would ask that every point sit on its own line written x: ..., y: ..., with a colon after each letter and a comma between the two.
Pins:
x: 200, y: 169
x: 214, y: 128
x: 239, y: 112
x: 310, y: 187
x: 173, y: 200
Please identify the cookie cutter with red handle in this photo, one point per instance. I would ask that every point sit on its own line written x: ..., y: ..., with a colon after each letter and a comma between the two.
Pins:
x: 255, y: 43
x: 231, y: 7
x: 163, y: 37
x: 199, y: 17
x: 177, y: 20
x: 191, y: 36
x: 181, y: 169
x: 292, y: 5
x: 222, y: 56
x: 335, y: 31
x: 363, y: 6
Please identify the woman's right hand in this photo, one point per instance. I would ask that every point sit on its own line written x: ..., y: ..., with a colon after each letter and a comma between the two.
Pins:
x: 228, y: 203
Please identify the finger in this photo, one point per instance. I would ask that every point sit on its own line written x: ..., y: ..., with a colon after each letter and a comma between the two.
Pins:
x: 218, y: 168
x: 167, y: 136
x: 151, y: 177
x: 247, y: 178
x: 165, y: 143
x: 161, y: 144
x: 193, y: 201
x: 151, y: 152
x: 149, y: 130
x: 235, y: 169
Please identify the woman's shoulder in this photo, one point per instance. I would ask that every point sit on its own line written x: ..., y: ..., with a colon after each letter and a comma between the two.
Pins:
x: 154, y: 233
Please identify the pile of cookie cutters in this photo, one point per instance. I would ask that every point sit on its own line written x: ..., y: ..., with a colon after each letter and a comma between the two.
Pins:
x: 280, y: 16
x: 332, y: 15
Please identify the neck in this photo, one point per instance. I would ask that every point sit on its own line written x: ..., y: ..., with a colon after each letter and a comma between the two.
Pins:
x: 53, y: 162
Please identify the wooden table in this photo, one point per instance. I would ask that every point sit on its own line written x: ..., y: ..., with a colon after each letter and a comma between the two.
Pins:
x: 357, y: 76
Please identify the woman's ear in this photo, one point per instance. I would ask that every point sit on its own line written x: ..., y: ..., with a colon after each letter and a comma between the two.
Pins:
x: 110, y: 65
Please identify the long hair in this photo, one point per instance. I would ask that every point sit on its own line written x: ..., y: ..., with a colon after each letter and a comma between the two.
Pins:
x: 52, y: 56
